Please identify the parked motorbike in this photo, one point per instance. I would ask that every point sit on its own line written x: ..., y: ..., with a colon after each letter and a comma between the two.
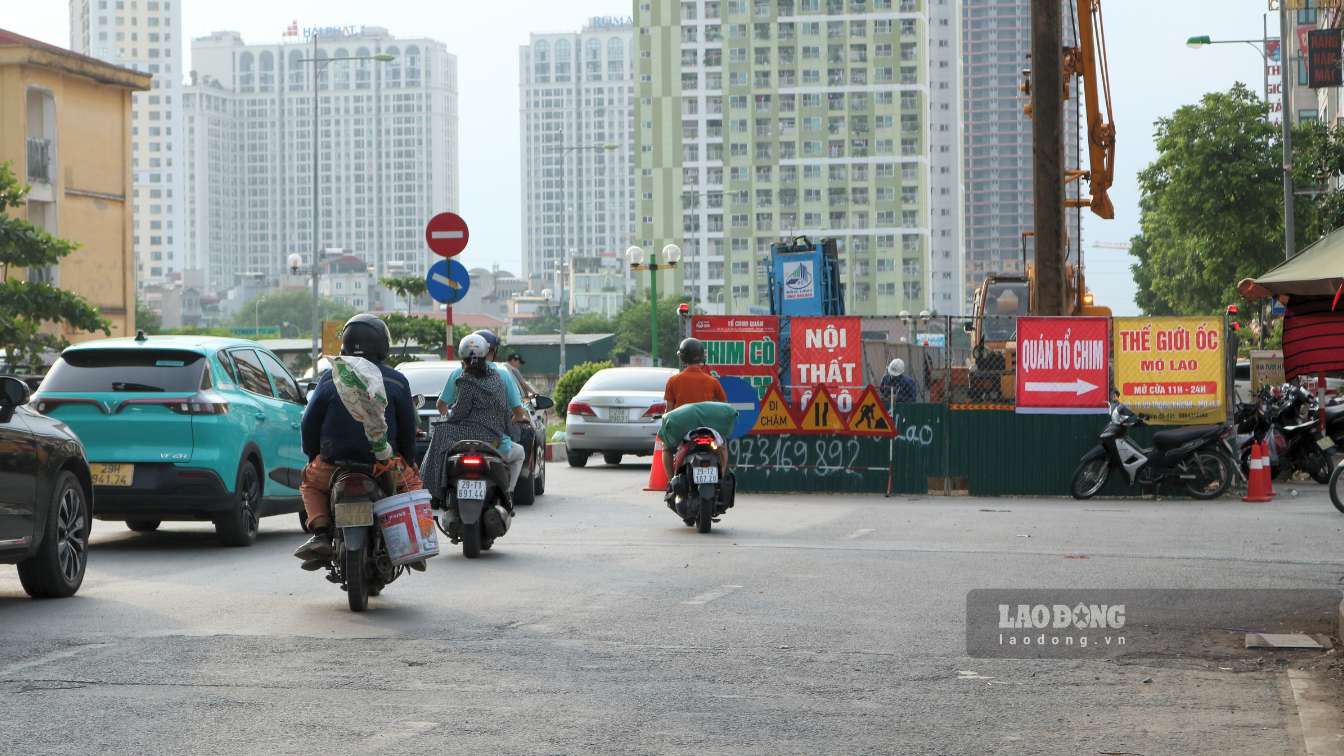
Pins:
x: 701, y: 490
x: 1287, y: 423
x: 477, y: 506
x: 1193, y: 458
x: 361, y: 564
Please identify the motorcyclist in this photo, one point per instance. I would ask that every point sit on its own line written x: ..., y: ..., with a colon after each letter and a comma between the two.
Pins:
x: 483, y: 403
x: 693, y: 384
x: 896, y: 386
x: 331, y: 435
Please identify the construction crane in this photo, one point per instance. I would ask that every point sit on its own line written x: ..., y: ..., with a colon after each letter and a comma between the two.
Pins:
x: 1049, y: 284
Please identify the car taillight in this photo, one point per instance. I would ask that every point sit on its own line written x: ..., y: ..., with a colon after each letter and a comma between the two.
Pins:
x: 581, y: 408
x: 44, y: 406
x: 656, y: 409
x: 201, y: 404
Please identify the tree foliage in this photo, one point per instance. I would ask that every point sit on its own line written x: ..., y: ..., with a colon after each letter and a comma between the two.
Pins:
x: 571, y: 383
x: 146, y: 319
x: 633, y: 329
x: 409, y: 288
x: 1209, y: 205
x: 293, y: 306
x: 31, y: 310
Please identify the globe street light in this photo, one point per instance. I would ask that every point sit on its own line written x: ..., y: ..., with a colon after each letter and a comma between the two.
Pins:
x: 634, y: 256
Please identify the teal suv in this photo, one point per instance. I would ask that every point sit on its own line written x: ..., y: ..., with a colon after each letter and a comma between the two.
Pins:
x: 182, y: 428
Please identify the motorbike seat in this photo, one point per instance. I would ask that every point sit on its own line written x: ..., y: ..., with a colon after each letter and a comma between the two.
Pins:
x: 1170, y: 439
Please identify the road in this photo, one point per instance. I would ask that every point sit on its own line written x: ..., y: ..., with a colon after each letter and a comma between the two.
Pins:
x: 802, y: 624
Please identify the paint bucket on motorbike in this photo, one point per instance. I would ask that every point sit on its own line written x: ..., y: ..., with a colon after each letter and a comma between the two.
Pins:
x: 408, y: 527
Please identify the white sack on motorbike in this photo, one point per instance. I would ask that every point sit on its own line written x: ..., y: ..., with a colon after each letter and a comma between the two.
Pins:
x: 359, y: 384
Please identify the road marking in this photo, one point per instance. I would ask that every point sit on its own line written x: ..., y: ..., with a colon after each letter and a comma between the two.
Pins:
x: 966, y: 674
x: 445, y: 234
x: 397, y: 731
x: 1322, y: 732
x: 51, y: 657
x: 709, y: 596
x: 861, y: 532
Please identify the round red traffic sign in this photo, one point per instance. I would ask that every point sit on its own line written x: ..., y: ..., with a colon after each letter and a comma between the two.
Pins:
x: 446, y: 234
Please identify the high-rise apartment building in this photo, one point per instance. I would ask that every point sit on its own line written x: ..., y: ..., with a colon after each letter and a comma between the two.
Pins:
x: 996, y: 38
x: 146, y: 35
x: 386, y: 156
x: 763, y: 119
x: 576, y: 96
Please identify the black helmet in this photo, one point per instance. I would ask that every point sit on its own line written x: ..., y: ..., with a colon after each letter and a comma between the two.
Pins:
x: 366, y: 335
x: 490, y: 338
x: 691, y: 351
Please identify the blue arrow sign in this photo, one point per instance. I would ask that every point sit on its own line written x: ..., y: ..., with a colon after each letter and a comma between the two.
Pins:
x: 447, y: 281
x: 745, y: 400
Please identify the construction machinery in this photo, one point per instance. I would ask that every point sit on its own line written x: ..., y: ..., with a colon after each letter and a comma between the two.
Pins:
x: 1001, y: 298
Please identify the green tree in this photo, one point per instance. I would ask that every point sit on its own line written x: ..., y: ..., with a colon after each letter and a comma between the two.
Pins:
x: 409, y: 288
x: 419, y: 334
x: 571, y: 383
x: 146, y: 319
x: 30, y: 309
x: 633, y: 329
x: 295, y: 306
x: 1210, y: 209
x: 1318, y: 162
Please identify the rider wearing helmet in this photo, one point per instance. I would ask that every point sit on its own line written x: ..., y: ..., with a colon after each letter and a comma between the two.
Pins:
x: 693, y: 384
x: 896, y: 386
x: 485, y: 402
x: 331, y: 435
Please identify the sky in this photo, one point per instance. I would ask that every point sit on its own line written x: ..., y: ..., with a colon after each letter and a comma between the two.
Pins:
x: 1152, y: 74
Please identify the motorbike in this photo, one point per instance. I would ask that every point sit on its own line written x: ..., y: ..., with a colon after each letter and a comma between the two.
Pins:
x: 476, y: 504
x: 1288, y: 425
x: 360, y: 563
x: 1193, y: 458
x: 701, y: 490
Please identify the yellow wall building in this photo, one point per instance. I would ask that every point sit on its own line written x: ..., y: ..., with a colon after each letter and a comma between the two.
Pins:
x: 65, y: 129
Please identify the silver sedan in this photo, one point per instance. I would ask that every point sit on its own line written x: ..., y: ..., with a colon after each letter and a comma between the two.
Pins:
x: 616, y: 413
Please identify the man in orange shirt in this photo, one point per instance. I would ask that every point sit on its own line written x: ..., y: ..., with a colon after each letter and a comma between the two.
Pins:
x: 693, y: 384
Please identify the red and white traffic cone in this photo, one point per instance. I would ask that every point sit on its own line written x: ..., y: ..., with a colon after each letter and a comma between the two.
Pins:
x: 657, y: 475
x: 1259, y: 489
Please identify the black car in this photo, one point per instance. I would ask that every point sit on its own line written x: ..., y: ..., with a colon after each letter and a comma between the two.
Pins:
x: 46, y: 497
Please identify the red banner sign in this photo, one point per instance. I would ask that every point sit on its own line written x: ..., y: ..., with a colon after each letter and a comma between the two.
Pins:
x: 1063, y: 365
x: 826, y: 352
x: 1323, y: 58
x: 746, y: 346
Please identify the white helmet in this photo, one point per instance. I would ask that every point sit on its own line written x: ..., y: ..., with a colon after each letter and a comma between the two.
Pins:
x: 472, y: 347
x: 896, y: 367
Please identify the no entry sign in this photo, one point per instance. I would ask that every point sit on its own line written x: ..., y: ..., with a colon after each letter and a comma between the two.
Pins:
x: 446, y: 234
x: 1063, y: 365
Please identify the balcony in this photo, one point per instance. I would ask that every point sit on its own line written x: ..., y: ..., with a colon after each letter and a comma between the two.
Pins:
x: 39, y: 160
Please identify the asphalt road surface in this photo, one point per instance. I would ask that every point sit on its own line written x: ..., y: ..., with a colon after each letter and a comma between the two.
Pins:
x: 802, y: 624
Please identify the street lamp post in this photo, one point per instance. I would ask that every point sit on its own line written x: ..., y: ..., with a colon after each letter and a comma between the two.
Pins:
x: 1262, y: 46
x: 634, y: 256
x: 563, y: 151
x: 318, y: 65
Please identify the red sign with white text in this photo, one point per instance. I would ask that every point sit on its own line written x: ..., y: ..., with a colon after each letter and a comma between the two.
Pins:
x: 826, y: 352
x: 1063, y: 365
x: 746, y: 346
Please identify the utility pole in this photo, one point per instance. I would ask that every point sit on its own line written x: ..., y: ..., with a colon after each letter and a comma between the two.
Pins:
x: 1047, y: 123
x: 1287, y: 36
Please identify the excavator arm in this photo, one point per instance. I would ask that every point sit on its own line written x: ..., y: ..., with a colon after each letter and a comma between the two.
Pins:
x: 1088, y: 62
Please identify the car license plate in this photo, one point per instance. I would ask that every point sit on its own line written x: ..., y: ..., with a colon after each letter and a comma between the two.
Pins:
x: 705, y: 474
x: 1325, y: 442
x: 111, y: 475
x: 354, y: 514
x: 618, y: 415
x: 471, y: 489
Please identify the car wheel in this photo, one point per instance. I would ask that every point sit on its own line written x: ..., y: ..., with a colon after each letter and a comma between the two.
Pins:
x: 612, y: 458
x: 143, y: 526
x: 56, y: 570
x: 577, y: 458
x: 239, y: 526
x: 539, y: 478
x: 523, y: 492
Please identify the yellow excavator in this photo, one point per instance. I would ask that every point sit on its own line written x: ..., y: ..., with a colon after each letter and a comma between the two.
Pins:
x: 1001, y: 298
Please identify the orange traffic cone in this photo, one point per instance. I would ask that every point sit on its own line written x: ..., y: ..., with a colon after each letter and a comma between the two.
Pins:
x: 1258, y: 486
x: 657, y: 475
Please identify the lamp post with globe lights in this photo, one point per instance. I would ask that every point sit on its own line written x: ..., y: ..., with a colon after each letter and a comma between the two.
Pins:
x: 635, y: 258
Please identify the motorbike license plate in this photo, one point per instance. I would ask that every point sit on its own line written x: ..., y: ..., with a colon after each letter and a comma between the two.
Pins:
x: 618, y: 415
x: 354, y: 514
x: 1325, y: 442
x: 471, y: 489
x: 111, y: 475
x: 705, y: 474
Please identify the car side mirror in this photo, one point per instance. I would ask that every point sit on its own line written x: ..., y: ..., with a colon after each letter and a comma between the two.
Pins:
x: 13, y: 393
x: 542, y: 402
